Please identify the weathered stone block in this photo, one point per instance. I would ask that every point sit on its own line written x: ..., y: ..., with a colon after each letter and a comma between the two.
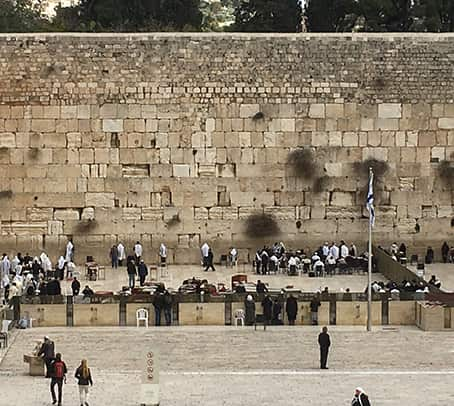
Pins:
x: 389, y: 110
x: 112, y: 125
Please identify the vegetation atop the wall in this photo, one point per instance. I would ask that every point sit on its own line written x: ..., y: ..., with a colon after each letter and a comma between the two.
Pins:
x: 320, y: 184
x: 173, y: 221
x: 6, y: 194
x: 85, y: 226
x: 302, y: 163
x: 379, y: 168
x: 261, y: 225
x: 446, y: 172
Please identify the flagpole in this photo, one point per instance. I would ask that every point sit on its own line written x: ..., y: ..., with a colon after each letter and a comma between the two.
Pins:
x: 369, y: 267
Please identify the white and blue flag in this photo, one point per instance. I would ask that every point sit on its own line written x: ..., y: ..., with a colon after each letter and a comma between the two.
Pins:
x: 370, y: 199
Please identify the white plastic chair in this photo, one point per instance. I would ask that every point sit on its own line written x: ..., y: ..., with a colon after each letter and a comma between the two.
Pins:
x: 142, y: 315
x: 239, y: 316
x: 5, y: 332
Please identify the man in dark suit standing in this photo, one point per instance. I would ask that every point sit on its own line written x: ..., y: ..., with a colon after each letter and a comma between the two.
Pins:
x: 324, y: 342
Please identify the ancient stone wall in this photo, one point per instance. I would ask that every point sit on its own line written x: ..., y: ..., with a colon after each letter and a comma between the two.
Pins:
x: 181, y: 137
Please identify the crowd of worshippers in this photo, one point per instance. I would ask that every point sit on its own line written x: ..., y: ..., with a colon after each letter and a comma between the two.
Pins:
x: 29, y: 275
x: 399, y: 253
x: 328, y: 259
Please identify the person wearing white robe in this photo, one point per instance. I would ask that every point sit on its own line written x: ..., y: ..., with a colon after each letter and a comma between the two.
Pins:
x: 121, y: 253
x: 61, y: 267
x: 205, y: 249
x: 163, y: 253
x: 138, y: 250
x: 69, y: 251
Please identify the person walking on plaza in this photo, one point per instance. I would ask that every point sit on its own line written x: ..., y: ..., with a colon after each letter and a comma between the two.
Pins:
x: 360, y: 398
x: 267, y: 305
x: 138, y: 251
x: 121, y: 253
x: 114, y: 256
x: 47, y: 353
x: 209, y: 261
x: 142, y: 270
x: 158, y: 303
x: 132, y: 272
x: 59, y: 371
x: 314, y: 305
x: 291, y: 307
x: 83, y: 376
x: 324, y: 342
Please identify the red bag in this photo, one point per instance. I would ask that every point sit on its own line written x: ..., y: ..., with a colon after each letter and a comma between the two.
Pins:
x: 59, y: 369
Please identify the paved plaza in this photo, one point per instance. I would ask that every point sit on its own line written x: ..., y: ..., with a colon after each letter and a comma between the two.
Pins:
x: 116, y: 278
x: 240, y: 366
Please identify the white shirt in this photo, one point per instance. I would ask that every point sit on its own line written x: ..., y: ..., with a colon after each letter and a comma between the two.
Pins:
x: 6, y: 265
x: 121, y: 251
x: 315, y: 258
x: 344, y: 251
x: 163, y: 251
x: 205, y: 248
x: 292, y: 261
x: 61, y: 262
x: 325, y: 250
x: 233, y: 252
x: 331, y: 260
x: 319, y: 263
x: 138, y: 250
x: 274, y: 259
x: 334, y: 251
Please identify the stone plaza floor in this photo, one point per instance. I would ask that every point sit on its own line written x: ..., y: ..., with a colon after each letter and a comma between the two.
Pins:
x: 239, y: 366
x: 116, y: 278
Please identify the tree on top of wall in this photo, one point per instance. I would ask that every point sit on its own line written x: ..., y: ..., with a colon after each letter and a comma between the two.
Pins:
x: 331, y: 15
x: 268, y: 16
x: 22, y: 16
x: 433, y: 16
x: 131, y: 15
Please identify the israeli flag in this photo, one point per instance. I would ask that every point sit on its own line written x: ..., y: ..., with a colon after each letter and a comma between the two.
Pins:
x: 370, y: 199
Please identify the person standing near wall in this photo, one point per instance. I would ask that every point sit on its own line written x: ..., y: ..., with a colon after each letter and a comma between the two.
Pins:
x: 142, y: 270
x: 314, y: 305
x: 324, y: 342
x: 132, y: 272
x: 121, y: 253
x: 83, y: 376
x: 114, y: 256
x: 291, y: 308
x: 138, y: 251
x: 69, y: 250
x: 163, y: 254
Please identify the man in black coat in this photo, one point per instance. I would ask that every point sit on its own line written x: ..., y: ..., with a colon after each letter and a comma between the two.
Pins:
x: 47, y: 353
x: 324, y: 343
x: 291, y: 307
x: 267, y: 305
x: 75, y: 287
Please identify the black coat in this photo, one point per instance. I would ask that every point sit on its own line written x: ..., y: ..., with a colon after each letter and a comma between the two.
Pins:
x: 267, y: 305
x: 324, y: 340
x: 47, y: 350
x: 75, y: 287
x: 53, y: 288
x: 291, y: 307
x: 131, y: 268
x: 361, y: 400
x: 249, y: 307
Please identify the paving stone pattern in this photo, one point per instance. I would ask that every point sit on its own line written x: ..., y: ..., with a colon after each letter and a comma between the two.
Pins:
x: 240, y: 366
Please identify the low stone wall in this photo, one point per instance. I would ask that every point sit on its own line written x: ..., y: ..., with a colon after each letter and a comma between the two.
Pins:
x: 116, y: 311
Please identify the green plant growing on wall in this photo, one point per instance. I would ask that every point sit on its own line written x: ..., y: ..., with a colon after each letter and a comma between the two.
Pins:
x: 6, y: 194
x: 261, y: 225
x: 446, y: 172
x: 85, y: 226
x: 302, y: 163
x: 379, y: 167
x: 173, y: 221
x: 320, y: 184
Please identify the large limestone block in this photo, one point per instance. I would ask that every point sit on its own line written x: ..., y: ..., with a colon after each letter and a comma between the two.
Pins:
x: 344, y: 199
x: 112, y: 125
x: 317, y: 110
x: 248, y: 110
x: 446, y: 123
x: 390, y: 110
x: 66, y: 215
x: 7, y: 140
x: 181, y: 171
x: 99, y: 199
